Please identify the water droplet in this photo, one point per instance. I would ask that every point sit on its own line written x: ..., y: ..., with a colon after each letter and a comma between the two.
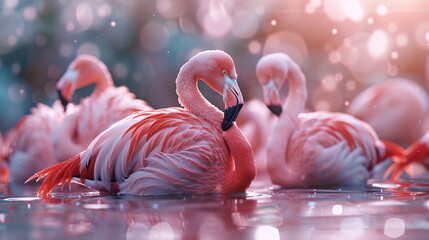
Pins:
x: 337, y: 210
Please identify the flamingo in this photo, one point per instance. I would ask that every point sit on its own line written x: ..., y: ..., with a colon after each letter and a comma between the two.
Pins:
x: 50, y: 135
x: 256, y: 122
x: 106, y: 105
x: 317, y: 148
x: 395, y: 108
x: 190, y: 150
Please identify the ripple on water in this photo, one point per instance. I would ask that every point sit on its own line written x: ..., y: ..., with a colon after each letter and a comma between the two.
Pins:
x: 21, y: 199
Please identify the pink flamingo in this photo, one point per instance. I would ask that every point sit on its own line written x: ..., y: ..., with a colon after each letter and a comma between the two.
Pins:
x: 395, y: 108
x: 318, y: 148
x: 49, y: 135
x: 106, y: 105
x: 195, y: 149
x: 256, y: 122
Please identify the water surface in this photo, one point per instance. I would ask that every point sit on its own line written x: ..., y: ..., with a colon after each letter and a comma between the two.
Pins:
x: 382, y: 210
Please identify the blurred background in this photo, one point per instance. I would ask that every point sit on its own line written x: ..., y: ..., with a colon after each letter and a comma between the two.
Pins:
x: 342, y: 46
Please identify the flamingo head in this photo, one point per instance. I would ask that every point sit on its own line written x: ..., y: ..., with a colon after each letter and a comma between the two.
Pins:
x: 218, y: 71
x: 66, y: 87
x: 272, y: 71
x: 82, y: 71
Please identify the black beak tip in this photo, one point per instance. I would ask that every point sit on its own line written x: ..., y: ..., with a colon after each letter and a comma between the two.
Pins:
x: 230, y: 115
x: 64, y: 101
x: 276, y: 109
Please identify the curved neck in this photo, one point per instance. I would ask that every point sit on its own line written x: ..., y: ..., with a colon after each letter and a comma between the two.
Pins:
x: 292, y: 107
x: 100, y: 76
x: 191, y: 98
x: 243, y: 168
x: 297, y: 96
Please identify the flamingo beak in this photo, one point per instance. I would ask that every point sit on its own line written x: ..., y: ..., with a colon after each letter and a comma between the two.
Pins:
x: 233, y: 100
x: 63, y: 100
x: 272, y: 97
x: 66, y: 87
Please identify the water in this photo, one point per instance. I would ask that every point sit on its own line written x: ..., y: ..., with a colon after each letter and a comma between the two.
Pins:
x: 382, y: 210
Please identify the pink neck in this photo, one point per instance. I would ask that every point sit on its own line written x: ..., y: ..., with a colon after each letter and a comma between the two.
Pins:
x: 244, y: 168
x: 192, y: 99
x: 278, y: 143
x: 100, y: 76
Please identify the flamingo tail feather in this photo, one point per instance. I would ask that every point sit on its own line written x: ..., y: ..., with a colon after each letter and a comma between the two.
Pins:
x: 58, y: 174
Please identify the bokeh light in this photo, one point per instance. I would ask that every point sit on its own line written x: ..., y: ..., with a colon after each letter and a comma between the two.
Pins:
x: 394, y: 227
x: 378, y: 44
x: 364, y: 42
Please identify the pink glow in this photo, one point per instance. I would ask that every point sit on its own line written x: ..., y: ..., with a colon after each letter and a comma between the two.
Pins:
x: 170, y: 8
x: 30, y: 13
x: 84, y: 15
x: 254, y: 47
x: 378, y: 44
x: 286, y: 42
x: 216, y: 21
x: 381, y: 10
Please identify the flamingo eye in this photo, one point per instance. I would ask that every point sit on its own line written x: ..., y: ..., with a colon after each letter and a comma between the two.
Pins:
x: 224, y: 72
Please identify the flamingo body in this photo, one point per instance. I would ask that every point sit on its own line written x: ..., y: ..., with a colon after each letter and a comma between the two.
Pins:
x: 173, y: 150
x: 152, y: 148
x: 329, y: 149
x: 92, y: 116
x: 395, y: 109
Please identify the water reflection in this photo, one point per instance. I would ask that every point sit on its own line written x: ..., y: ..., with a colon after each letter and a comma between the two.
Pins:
x: 261, y: 213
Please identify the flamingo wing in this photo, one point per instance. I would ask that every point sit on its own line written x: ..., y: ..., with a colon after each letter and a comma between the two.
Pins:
x: 330, y: 149
x: 155, y: 152
x: 98, y: 113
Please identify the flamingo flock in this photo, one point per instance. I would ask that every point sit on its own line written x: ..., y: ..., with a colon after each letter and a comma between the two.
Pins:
x: 189, y: 150
x: 113, y: 142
